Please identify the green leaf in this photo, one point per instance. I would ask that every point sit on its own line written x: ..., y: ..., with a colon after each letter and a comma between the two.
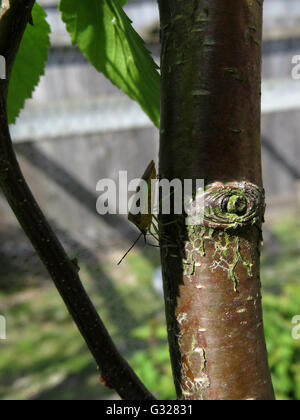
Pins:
x: 29, y: 64
x: 122, y: 2
x: 103, y: 32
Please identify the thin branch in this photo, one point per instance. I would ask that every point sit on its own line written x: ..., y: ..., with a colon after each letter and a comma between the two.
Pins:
x: 115, y: 371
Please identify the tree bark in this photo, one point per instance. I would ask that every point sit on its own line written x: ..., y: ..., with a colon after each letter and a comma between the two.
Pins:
x: 210, y: 129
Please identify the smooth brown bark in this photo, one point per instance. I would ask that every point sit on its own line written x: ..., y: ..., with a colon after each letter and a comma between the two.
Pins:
x: 115, y: 372
x: 210, y: 129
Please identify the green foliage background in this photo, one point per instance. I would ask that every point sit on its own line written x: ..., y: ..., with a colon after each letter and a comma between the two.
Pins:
x: 45, y: 358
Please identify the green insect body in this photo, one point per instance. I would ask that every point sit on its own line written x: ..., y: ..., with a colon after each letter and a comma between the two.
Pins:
x: 144, y: 221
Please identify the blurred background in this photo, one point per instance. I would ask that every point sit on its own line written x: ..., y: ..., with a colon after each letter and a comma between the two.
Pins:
x: 78, y: 129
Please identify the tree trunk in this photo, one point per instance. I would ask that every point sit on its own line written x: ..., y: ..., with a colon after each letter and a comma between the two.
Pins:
x: 210, y: 129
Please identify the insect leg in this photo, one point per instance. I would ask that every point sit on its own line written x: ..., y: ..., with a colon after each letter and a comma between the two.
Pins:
x: 164, y: 224
x: 132, y: 246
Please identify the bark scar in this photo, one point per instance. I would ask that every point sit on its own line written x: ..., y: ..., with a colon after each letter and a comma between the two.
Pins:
x: 228, y: 206
x: 193, y: 369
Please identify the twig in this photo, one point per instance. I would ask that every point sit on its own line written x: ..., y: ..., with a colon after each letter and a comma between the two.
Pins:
x: 115, y: 371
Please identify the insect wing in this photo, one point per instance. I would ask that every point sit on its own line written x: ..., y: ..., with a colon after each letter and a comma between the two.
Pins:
x: 143, y: 220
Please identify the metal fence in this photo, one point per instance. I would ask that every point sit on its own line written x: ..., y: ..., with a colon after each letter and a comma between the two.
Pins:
x: 78, y: 128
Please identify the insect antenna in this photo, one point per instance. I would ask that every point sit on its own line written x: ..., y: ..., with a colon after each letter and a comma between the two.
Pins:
x: 132, y: 246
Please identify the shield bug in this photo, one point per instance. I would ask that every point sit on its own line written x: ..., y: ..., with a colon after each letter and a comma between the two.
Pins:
x: 144, y: 219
